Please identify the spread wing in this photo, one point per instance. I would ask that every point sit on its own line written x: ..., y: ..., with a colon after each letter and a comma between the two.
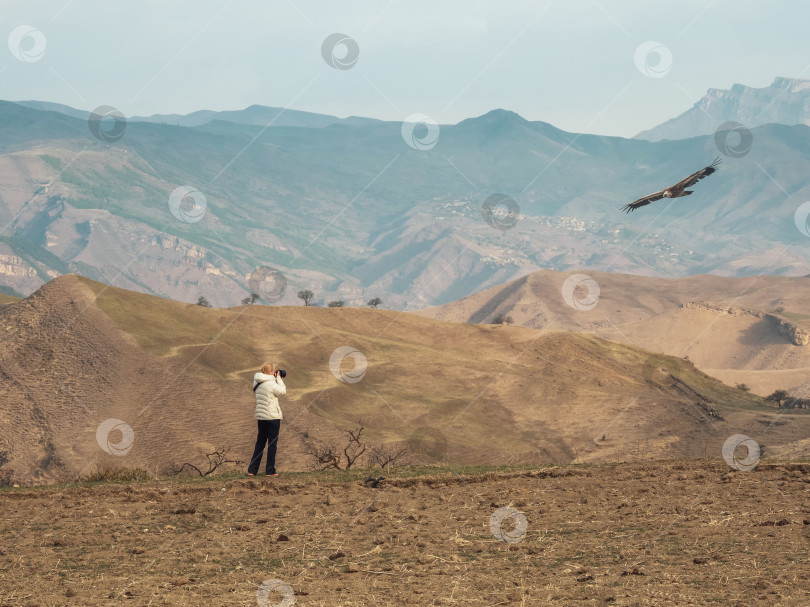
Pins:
x: 643, y: 201
x: 677, y: 190
x: 695, y: 177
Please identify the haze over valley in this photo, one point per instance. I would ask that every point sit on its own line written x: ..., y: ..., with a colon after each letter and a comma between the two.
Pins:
x: 334, y: 204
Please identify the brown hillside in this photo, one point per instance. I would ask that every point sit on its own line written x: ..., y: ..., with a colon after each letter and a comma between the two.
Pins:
x: 77, y: 353
x: 741, y: 330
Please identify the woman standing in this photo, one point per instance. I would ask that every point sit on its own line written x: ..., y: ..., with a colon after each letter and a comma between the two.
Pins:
x: 268, y: 386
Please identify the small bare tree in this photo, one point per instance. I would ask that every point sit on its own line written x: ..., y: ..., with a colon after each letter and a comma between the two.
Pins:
x: 325, y: 456
x: 385, y: 456
x: 354, y: 447
x: 215, y: 460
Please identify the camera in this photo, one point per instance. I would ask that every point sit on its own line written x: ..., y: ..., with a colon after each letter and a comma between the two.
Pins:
x: 282, y: 373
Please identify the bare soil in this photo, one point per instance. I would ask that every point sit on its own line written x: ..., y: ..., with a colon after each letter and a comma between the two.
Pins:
x: 690, y: 532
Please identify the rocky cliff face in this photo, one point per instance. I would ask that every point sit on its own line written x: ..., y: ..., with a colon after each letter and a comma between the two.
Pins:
x: 20, y: 275
x: 12, y: 266
x: 796, y: 335
x: 785, y: 101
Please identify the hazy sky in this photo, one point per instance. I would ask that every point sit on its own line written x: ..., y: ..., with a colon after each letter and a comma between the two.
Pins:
x: 568, y: 62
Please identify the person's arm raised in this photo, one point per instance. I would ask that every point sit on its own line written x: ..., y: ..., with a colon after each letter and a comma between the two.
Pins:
x: 279, y: 389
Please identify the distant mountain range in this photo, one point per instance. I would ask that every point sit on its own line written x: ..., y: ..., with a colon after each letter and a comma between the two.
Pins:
x: 258, y: 115
x: 352, y: 209
x: 785, y: 101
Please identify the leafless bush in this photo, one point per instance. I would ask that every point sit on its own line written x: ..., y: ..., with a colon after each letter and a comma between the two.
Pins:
x: 330, y: 456
x: 325, y: 456
x: 354, y: 447
x: 215, y: 460
x: 385, y: 456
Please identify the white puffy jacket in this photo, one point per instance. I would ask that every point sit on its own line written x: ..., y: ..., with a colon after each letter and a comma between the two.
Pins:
x: 267, y: 394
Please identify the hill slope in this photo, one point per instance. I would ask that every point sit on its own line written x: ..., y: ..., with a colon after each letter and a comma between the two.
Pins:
x: 751, y: 330
x: 77, y: 353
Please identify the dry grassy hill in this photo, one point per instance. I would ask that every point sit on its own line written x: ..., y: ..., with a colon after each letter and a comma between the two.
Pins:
x: 77, y: 353
x: 741, y: 330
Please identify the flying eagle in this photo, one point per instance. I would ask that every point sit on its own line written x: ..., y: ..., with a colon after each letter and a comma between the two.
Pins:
x: 675, y: 191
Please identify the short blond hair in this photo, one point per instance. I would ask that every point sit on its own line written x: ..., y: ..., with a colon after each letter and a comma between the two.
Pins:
x: 268, y: 368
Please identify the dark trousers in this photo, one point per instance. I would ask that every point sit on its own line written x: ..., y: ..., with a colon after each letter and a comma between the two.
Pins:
x: 268, y: 433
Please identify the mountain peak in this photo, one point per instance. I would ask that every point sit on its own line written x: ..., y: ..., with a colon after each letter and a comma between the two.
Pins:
x: 793, y: 85
x: 784, y: 101
x: 500, y: 115
x: 780, y: 83
x: 495, y: 118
